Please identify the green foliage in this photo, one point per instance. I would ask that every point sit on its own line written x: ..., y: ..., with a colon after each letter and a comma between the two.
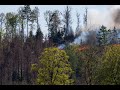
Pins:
x: 54, y: 68
x: 103, y: 36
x: 34, y: 67
x: 87, y: 65
x: 73, y: 58
x: 55, y: 33
x: 68, y: 31
x: 109, y: 70
x: 39, y: 34
x: 114, y: 36
x: 12, y: 22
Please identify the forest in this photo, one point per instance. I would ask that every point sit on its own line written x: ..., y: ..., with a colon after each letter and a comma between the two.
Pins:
x: 55, y: 59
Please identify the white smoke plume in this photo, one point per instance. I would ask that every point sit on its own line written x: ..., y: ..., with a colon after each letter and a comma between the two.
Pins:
x: 108, y: 18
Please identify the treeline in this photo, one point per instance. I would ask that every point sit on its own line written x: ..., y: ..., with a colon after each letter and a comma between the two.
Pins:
x: 20, y: 48
x: 17, y: 49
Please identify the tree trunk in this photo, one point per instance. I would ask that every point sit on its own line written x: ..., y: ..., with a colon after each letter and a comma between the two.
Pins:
x: 27, y: 25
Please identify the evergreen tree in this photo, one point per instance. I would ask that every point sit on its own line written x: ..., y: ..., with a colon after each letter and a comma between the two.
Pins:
x: 71, y: 51
x: 103, y: 36
x: 55, y: 33
x: 114, y: 36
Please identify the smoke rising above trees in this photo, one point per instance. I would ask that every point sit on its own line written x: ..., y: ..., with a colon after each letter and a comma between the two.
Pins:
x: 22, y: 42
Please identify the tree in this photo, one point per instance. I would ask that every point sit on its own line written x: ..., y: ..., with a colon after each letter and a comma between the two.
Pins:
x: 108, y: 72
x: 32, y: 20
x: 86, y: 18
x: 34, y: 14
x: 39, y: 42
x: 103, y: 36
x: 71, y: 51
x: 88, y: 62
x: 39, y: 34
x: 91, y: 38
x: 27, y: 11
x: 21, y: 20
x: 67, y: 20
x: 2, y: 19
x: 114, y: 36
x: 54, y: 68
x: 78, y: 28
x: 68, y: 32
x: 55, y: 33
x: 7, y: 25
x: 36, y: 11
x: 22, y: 24
x: 13, y: 23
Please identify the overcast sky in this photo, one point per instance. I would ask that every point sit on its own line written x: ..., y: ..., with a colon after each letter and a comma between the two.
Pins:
x: 97, y: 14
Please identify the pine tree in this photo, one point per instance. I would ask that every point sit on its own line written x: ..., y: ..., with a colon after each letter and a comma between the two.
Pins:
x: 55, y: 33
x: 114, y: 36
x: 103, y: 36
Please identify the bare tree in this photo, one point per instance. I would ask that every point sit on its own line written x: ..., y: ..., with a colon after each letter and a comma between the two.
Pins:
x: 85, y: 18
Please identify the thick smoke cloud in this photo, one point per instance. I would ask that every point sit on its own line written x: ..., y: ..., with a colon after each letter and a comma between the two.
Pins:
x: 116, y: 17
x: 114, y: 13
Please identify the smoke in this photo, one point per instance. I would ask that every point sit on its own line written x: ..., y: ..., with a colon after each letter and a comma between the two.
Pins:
x: 94, y: 17
x: 109, y: 17
x: 97, y: 18
x: 115, y: 16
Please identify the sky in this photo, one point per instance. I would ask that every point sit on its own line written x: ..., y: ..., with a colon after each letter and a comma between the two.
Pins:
x: 97, y: 14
